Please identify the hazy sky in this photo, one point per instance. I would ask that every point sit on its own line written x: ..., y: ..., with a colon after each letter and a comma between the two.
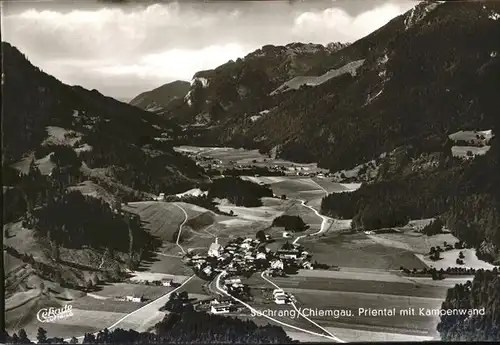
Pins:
x: 123, y: 50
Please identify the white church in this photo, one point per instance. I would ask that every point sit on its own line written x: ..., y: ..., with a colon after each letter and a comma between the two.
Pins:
x: 215, y: 249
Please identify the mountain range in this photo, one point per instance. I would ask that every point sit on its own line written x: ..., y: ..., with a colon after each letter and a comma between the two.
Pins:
x: 413, y: 81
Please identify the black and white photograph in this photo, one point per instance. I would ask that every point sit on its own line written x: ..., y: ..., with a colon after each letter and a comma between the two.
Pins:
x: 250, y: 172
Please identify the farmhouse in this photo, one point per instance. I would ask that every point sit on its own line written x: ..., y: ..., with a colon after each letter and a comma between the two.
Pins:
x: 134, y: 299
x: 232, y: 281
x: 167, y: 282
x: 220, y: 308
x: 277, y: 264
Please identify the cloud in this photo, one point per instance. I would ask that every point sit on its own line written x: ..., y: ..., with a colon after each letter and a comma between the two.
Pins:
x: 155, y: 44
x: 337, y: 22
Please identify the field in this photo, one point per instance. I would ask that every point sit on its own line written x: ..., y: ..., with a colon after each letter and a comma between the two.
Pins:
x: 449, y: 260
x: 228, y: 157
x: 461, y: 151
x: 161, y: 219
x: 124, y: 289
x: 358, y: 250
x: 413, y: 241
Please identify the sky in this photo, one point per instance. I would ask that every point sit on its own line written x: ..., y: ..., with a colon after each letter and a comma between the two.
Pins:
x: 128, y: 48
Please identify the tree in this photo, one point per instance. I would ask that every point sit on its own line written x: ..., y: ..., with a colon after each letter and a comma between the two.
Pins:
x: 261, y: 236
x: 15, y: 338
x: 23, y: 337
x: 89, y: 338
x: 73, y: 340
x: 89, y: 285
x: 41, y: 335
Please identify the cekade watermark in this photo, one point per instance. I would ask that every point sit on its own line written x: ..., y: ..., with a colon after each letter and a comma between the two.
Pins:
x: 53, y: 314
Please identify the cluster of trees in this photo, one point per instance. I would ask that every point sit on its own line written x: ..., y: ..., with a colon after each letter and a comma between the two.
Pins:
x: 178, y: 303
x: 433, y: 228
x: 238, y: 191
x: 74, y: 220
x: 290, y: 223
x: 482, y: 292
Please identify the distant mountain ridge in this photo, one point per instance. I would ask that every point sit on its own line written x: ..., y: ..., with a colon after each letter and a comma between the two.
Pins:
x: 246, y: 80
x: 157, y: 99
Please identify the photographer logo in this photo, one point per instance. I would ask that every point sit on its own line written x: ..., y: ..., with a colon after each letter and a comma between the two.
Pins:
x: 52, y: 314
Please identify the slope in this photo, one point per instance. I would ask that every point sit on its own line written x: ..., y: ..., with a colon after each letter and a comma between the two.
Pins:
x: 159, y: 98
x: 115, y: 142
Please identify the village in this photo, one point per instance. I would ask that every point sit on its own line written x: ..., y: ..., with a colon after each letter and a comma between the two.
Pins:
x: 241, y: 258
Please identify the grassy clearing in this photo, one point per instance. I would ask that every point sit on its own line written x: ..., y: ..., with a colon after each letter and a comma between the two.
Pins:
x: 357, y: 250
x: 90, y: 188
x: 413, y: 241
x: 449, y: 260
x: 125, y: 289
x: 358, y: 335
x: 161, y: 219
x: 151, y: 276
x: 461, y: 151
x: 23, y: 240
x: 94, y: 304
x: 369, y: 283
x: 168, y: 265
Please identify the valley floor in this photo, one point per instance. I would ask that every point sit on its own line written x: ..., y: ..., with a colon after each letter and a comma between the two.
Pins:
x: 368, y: 275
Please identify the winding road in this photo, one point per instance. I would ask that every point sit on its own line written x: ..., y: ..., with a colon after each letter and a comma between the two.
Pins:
x: 180, y: 227
x: 217, y: 284
x: 325, y: 221
x: 152, y: 307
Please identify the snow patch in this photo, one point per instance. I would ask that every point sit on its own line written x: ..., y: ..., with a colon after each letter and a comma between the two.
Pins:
x: 494, y: 16
x: 255, y: 117
x: 297, y: 82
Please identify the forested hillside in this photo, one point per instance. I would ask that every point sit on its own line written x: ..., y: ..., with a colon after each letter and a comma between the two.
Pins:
x: 461, y: 192
x: 481, y: 295
x: 426, y: 74
x: 41, y: 114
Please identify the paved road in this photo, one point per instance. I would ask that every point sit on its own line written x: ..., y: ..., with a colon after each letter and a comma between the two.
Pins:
x: 217, y: 284
x: 325, y: 221
x: 330, y: 335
